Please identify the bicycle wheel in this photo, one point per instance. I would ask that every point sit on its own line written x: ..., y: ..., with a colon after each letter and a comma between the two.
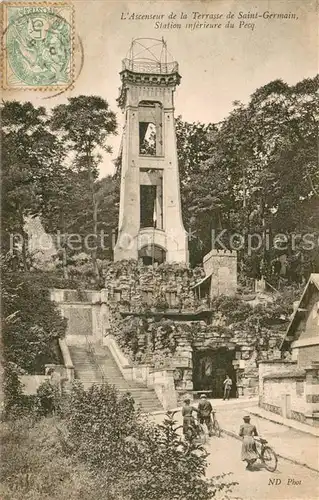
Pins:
x: 269, y: 458
x: 189, y: 434
x: 216, y: 428
x: 202, y: 434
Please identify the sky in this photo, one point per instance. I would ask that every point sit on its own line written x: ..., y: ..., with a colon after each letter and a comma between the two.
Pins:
x: 217, y: 65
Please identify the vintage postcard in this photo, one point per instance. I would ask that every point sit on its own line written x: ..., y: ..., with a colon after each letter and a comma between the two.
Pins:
x: 159, y: 250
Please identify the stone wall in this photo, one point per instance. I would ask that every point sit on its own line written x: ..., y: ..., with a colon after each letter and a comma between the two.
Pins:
x: 221, y: 265
x: 147, y: 295
x: 307, y: 355
x: 274, y: 367
x: 289, y: 391
x: 154, y: 315
x: 164, y: 342
x: 86, y: 312
x: 159, y: 343
x: 138, y: 287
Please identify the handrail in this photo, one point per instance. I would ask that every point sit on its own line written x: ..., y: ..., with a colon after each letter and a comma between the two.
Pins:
x: 145, y: 66
x: 91, y: 350
x: 68, y: 363
x: 272, y: 287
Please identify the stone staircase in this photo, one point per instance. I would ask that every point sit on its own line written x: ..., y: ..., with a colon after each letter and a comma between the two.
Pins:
x: 94, y: 366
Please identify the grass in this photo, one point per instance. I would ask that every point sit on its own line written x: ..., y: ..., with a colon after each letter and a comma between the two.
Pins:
x: 34, y: 465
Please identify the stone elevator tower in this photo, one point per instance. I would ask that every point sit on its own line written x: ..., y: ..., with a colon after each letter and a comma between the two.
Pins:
x: 150, y: 219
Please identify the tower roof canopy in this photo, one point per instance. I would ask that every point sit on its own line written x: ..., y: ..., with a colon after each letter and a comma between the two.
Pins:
x: 149, y: 55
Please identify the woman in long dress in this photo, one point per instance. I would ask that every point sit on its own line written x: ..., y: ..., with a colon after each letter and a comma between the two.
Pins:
x: 248, y: 451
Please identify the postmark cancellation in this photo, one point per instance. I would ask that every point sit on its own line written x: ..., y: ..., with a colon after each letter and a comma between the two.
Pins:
x: 37, y: 45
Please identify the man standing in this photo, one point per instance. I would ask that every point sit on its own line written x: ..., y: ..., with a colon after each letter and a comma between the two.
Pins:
x: 204, y: 413
x: 227, y: 387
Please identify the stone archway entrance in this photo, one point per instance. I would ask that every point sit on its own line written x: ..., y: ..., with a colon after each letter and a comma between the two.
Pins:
x: 152, y: 253
x: 210, y: 367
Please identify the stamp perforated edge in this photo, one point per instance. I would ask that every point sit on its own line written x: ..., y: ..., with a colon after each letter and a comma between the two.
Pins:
x: 3, y: 60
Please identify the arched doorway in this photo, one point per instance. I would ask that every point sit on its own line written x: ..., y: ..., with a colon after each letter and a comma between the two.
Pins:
x: 210, y: 367
x: 151, y: 254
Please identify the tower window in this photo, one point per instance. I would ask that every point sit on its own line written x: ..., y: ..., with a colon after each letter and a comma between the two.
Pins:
x: 150, y: 117
x: 148, y: 206
x: 147, y: 138
x: 151, y: 198
x: 152, y: 253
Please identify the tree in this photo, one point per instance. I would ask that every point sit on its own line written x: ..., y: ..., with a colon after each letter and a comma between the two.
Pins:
x: 31, y: 323
x: 261, y: 177
x: 194, y: 147
x: 108, y: 199
x: 84, y: 125
x: 31, y: 327
x: 277, y: 144
x: 31, y: 160
x: 66, y: 205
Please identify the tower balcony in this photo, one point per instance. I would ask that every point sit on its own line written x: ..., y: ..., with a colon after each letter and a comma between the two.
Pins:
x: 151, y: 67
x: 147, y: 73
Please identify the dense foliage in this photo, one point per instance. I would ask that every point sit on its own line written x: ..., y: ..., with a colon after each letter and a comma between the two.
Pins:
x: 31, y: 159
x: 84, y: 125
x: 259, y: 175
x: 31, y: 327
x: 50, y: 169
x: 101, y: 446
x: 31, y: 323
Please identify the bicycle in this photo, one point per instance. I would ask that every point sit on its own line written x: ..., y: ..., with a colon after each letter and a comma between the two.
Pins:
x: 201, y: 433
x: 216, y: 426
x: 266, y: 454
x: 194, y: 440
x: 196, y: 431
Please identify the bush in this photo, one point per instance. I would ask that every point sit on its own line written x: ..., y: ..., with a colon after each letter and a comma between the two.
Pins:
x: 16, y: 404
x: 31, y: 327
x: 33, y: 465
x: 48, y: 399
x: 31, y: 323
x: 137, y: 460
x: 101, y: 447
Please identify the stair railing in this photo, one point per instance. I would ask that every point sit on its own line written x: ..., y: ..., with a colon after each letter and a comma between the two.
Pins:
x: 91, y: 350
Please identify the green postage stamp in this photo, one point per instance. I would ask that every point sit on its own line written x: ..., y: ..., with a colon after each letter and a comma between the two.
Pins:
x: 37, y: 45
